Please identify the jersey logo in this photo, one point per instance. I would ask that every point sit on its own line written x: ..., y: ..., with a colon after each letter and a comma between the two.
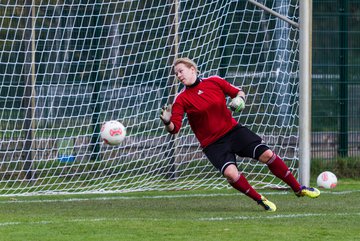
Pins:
x: 200, y: 92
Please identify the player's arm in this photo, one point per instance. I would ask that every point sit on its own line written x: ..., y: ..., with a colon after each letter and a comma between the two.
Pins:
x: 171, y: 116
x: 165, y: 117
x: 237, y: 103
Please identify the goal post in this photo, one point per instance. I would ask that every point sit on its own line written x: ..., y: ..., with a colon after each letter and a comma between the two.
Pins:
x: 69, y: 66
x: 305, y: 71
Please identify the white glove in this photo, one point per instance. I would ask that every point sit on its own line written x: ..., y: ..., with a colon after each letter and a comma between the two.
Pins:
x: 166, y: 114
x: 237, y: 104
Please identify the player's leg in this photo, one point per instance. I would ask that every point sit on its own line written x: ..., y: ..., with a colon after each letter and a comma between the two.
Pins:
x: 239, y: 182
x: 222, y: 158
x: 278, y: 167
x: 249, y: 144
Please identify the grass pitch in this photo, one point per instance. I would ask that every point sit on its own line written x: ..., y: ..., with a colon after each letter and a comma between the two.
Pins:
x: 183, y: 215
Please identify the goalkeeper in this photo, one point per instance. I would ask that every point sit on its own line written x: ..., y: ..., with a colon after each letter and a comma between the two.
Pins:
x: 219, y: 134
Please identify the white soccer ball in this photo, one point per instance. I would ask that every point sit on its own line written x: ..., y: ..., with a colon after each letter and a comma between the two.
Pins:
x: 113, y: 132
x: 326, y: 180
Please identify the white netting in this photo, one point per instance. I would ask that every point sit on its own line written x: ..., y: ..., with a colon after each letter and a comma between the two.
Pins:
x: 69, y: 65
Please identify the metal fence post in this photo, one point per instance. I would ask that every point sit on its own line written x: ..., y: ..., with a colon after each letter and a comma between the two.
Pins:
x: 343, y: 95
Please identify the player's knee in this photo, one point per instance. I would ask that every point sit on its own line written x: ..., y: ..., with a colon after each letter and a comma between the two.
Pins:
x: 231, y: 173
x: 260, y: 151
x: 266, y: 156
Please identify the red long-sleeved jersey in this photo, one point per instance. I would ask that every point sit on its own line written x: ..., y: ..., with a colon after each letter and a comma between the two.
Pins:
x: 205, y: 106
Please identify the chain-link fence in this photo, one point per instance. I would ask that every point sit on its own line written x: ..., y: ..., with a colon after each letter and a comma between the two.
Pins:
x: 336, y: 79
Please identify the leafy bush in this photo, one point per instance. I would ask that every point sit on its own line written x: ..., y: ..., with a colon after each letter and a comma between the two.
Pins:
x: 342, y: 167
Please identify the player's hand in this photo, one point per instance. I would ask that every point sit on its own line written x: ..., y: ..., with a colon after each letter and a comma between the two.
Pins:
x: 237, y: 104
x: 166, y: 114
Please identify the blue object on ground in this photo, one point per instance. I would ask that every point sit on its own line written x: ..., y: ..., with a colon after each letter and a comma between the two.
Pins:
x: 66, y: 158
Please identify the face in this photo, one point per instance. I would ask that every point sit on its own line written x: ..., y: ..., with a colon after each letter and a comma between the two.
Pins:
x: 184, y: 74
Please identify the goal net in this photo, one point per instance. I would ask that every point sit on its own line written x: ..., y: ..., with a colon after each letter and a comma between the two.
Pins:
x: 67, y: 66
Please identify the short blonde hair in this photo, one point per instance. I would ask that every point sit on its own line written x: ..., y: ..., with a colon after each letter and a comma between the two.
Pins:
x: 187, y: 62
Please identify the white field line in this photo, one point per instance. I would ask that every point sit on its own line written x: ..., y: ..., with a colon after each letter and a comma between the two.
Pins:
x: 278, y: 216
x: 88, y: 220
x: 120, y: 197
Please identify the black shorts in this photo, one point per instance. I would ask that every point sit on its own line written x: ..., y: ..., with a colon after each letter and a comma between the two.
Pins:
x: 239, y: 141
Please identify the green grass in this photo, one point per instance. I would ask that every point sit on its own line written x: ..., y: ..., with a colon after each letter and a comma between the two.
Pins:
x: 183, y: 215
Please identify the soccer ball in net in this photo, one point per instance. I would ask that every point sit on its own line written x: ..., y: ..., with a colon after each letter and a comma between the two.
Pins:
x: 113, y: 132
x: 326, y: 180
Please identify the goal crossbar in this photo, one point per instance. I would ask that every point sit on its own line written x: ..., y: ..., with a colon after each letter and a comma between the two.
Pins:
x: 269, y: 10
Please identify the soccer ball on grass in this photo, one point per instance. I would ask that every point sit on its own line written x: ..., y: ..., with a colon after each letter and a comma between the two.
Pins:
x: 326, y: 180
x: 113, y: 132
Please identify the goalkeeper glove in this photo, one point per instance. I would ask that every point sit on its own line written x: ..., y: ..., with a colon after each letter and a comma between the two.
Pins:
x: 237, y: 104
x: 166, y: 114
